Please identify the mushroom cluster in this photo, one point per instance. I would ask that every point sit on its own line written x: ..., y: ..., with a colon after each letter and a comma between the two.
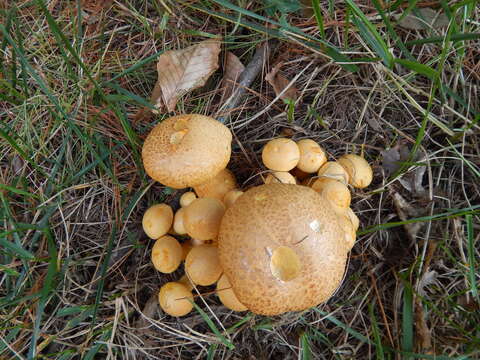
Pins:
x: 281, y: 246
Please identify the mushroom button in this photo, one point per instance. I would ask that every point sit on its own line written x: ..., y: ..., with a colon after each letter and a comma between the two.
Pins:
x: 312, y: 156
x: 175, y: 299
x: 358, y: 169
x: 157, y: 220
x: 280, y: 154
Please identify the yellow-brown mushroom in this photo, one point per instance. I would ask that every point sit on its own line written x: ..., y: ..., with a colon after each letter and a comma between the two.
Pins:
x: 217, y: 186
x: 282, y: 248
x: 157, y: 220
x: 166, y: 254
x: 186, y: 150
x: 175, y: 299
x: 202, y: 265
x: 359, y: 171
x: 202, y: 218
x: 312, y: 156
x: 281, y: 154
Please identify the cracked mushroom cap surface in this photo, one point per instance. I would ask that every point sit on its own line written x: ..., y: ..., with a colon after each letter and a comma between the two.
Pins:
x: 282, y: 248
x: 186, y: 150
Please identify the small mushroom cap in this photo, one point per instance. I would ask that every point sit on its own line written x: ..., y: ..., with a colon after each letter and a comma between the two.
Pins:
x: 178, y: 225
x: 312, y: 156
x: 333, y: 170
x: 166, y: 254
x: 289, y: 256
x: 185, y: 150
x: 202, y: 265
x: 187, y: 198
x: 280, y: 154
x: 358, y: 169
x: 174, y: 299
x: 217, y: 186
x: 333, y: 190
x: 157, y: 220
x: 283, y: 177
x: 231, y: 197
x: 202, y: 218
x: 227, y: 296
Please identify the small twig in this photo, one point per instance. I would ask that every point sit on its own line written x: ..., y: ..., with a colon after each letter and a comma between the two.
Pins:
x: 245, y: 80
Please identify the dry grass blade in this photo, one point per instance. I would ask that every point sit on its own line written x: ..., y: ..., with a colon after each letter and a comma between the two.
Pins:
x: 180, y: 71
x: 233, y: 70
x: 280, y: 82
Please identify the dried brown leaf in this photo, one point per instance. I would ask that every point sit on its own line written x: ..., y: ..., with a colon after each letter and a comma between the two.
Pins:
x: 280, y: 82
x: 392, y: 158
x: 180, y: 71
x: 233, y: 69
x: 424, y: 18
x: 424, y: 336
x: 406, y: 211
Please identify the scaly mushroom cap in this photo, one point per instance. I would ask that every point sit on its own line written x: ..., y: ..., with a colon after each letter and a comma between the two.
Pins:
x: 202, y: 218
x: 186, y: 150
x: 217, y: 186
x: 174, y: 299
x: 282, y: 248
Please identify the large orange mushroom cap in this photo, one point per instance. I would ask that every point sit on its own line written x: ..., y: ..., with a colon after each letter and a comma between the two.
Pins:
x: 282, y: 248
x: 186, y: 150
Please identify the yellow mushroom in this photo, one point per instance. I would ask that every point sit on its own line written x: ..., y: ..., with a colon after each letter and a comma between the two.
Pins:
x: 312, y: 156
x: 175, y: 299
x: 280, y: 154
x: 358, y: 169
x: 166, y: 254
x: 157, y: 220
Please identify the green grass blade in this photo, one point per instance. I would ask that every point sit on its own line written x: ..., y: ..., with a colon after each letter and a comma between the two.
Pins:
x: 16, y: 249
x: 213, y: 327
x: 47, y: 290
x: 471, y: 257
x: 319, y: 17
x: 418, y: 68
x: 441, y: 216
x: 305, y: 347
x: 18, y: 191
x: 370, y: 34
x: 376, y: 334
x: 345, y: 327
x: 440, y: 39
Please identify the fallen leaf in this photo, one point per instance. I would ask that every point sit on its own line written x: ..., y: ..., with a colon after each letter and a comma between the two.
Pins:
x: 421, y: 19
x: 233, y: 69
x: 393, y: 158
x: 180, y: 71
x: 280, y: 82
x: 406, y: 211
x: 424, y: 335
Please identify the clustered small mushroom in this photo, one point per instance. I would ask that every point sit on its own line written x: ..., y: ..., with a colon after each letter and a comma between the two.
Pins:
x: 269, y: 249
